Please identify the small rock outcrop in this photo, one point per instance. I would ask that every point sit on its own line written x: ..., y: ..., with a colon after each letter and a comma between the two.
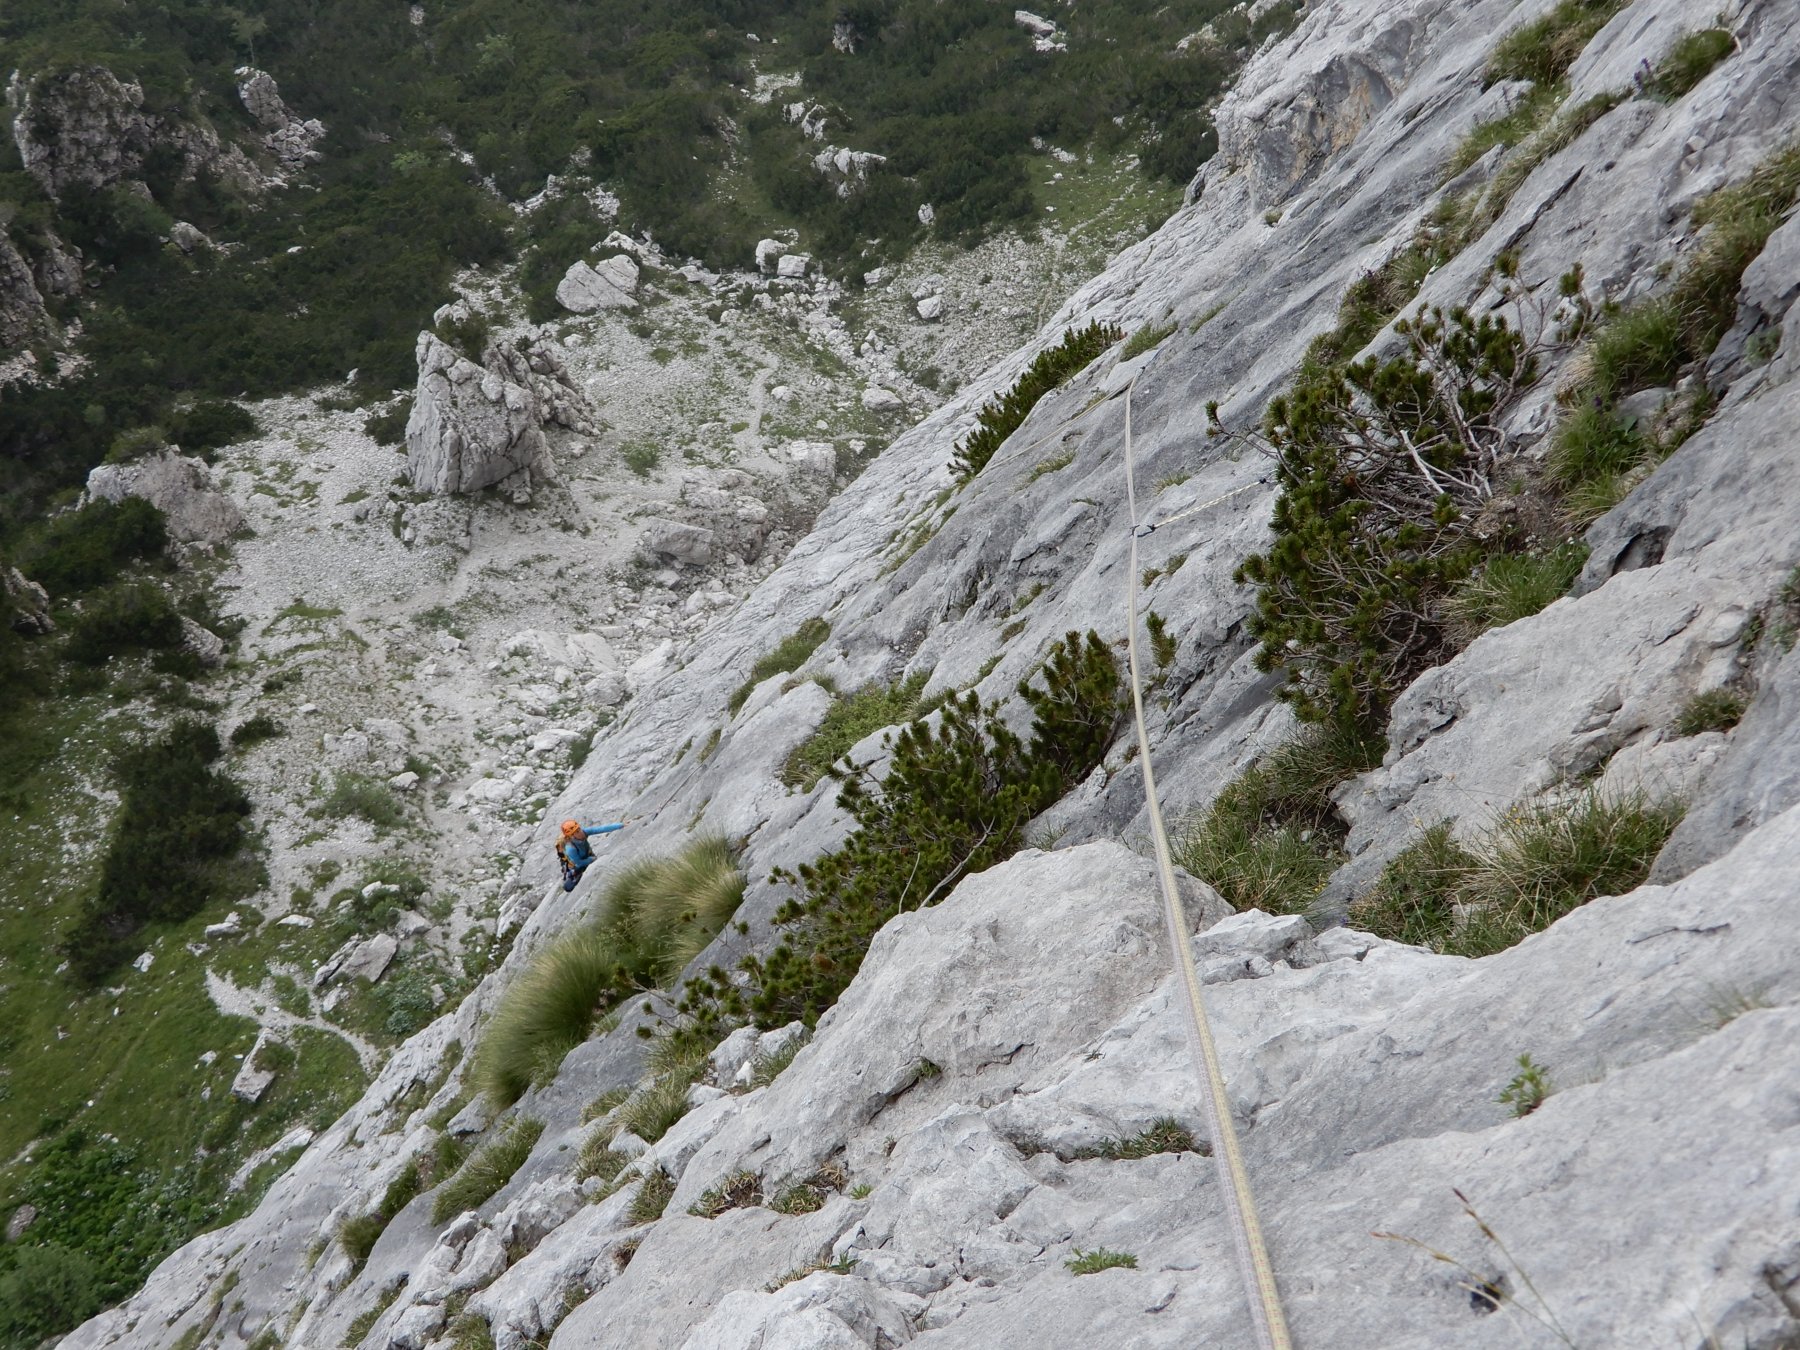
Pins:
x: 288, y: 139
x: 178, y: 485
x: 27, y: 607
x: 85, y: 127
x: 474, y: 426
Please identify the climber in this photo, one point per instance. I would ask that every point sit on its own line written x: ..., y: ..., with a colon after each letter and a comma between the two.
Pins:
x: 574, y: 853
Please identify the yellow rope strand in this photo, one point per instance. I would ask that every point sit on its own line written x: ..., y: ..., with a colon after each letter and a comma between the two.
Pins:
x: 1234, y: 1180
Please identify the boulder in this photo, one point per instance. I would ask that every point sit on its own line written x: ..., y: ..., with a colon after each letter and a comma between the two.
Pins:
x: 471, y: 427
x: 22, y: 1218
x: 792, y: 266
x: 611, y: 285
x: 188, y: 238
x: 370, y: 960
x: 252, y: 1081
x: 931, y: 308
x: 180, y: 486
x: 677, y: 542
x: 768, y: 254
x: 877, y: 399
x: 203, y: 644
x: 24, y: 604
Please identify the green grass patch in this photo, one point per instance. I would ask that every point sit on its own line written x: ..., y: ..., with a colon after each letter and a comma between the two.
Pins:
x: 846, y: 722
x: 483, y: 1175
x: 1510, y: 587
x: 741, y: 1190
x: 1596, y: 457
x: 353, y: 794
x: 1150, y: 335
x: 1272, y: 838
x: 653, y: 1195
x: 254, y: 730
x: 1715, y: 710
x: 655, y: 916
x: 1519, y: 123
x: 1165, y: 1135
x: 641, y: 457
x: 1050, y: 466
x: 1534, y: 865
x: 789, y: 655
x: 1689, y: 61
x: 1543, y: 50
x: 1092, y: 1263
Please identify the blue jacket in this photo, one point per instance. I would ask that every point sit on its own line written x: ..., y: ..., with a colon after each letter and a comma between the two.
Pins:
x: 577, y: 851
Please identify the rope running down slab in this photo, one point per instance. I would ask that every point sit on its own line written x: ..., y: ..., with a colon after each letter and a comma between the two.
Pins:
x: 1234, y: 1180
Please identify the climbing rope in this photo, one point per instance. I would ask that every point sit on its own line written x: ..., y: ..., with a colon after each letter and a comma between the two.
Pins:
x: 1234, y: 1179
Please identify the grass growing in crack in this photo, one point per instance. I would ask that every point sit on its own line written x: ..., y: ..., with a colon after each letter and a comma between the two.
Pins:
x: 655, y: 1107
x: 1596, y: 457
x: 789, y: 655
x: 846, y: 722
x: 598, y: 1158
x: 804, y: 1197
x: 656, y: 914
x: 1543, y: 50
x: 366, y: 1319
x: 840, y: 1267
x: 653, y: 1195
x: 1527, y: 1089
x: 1165, y: 1135
x: 1511, y: 587
x: 1536, y: 864
x: 740, y: 1190
x: 765, y: 1069
x: 1049, y: 466
x: 1092, y: 1263
x: 1688, y: 62
x: 482, y: 1176
x: 1272, y: 838
x: 1715, y: 710
x: 1144, y: 339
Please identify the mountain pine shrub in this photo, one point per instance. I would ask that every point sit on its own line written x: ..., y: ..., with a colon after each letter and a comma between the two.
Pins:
x: 1383, y: 466
x: 1054, y: 366
x: 173, y: 853
x: 959, y: 791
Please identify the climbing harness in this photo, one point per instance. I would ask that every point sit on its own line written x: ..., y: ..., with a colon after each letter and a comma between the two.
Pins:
x: 1234, y: 1180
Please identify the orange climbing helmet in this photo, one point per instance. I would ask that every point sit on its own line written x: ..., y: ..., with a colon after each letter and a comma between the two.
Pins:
x: 571, y: 828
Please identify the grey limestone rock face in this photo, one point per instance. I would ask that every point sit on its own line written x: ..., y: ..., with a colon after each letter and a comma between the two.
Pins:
x: 180, y: 486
